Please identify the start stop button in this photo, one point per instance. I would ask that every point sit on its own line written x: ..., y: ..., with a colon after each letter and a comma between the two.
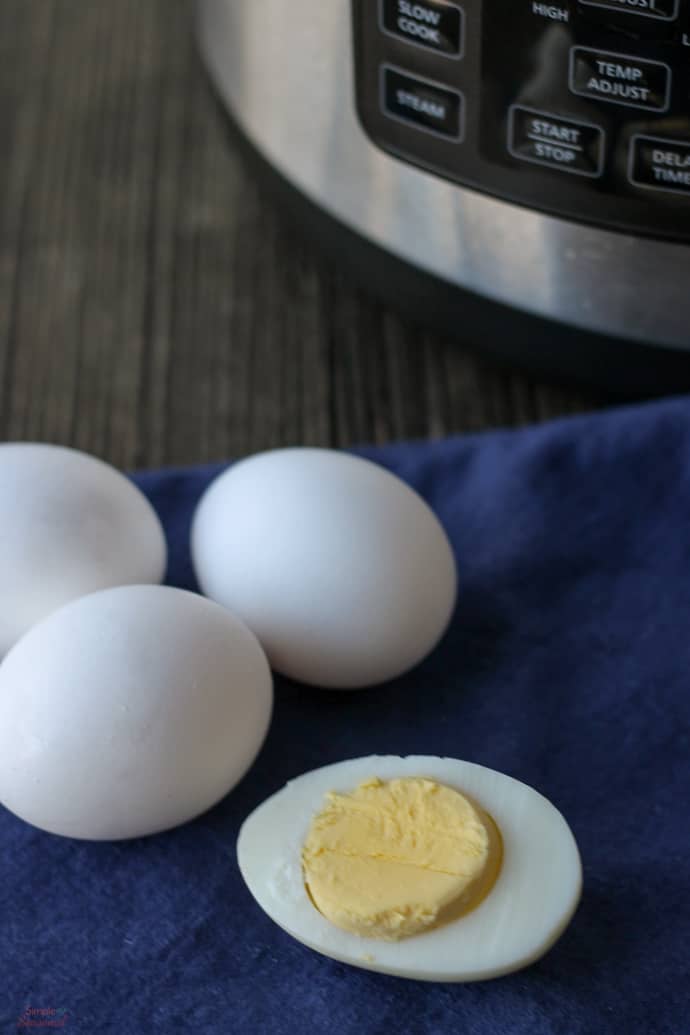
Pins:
x: 564, y: 144
x: 434, y: 24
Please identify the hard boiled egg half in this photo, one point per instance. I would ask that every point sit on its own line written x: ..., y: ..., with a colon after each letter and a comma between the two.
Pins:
x: 420, y: 867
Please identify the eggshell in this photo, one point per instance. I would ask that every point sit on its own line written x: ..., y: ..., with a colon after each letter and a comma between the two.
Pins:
x: 129, y: 711
x: 69, y: 525
x: 529, y: 907
x: 343, y: 572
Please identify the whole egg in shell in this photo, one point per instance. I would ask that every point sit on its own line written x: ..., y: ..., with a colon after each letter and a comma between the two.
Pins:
x: 342, y: 571
x: 128, y: 712
x: 70, y: 525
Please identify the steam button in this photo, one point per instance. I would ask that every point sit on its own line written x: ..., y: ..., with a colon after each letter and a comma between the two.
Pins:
x: 427, y: 105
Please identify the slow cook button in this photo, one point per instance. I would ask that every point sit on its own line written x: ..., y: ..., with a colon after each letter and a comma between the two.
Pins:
x: 559, y: 143
x: 435, y: 24
x: 423, y: 104
x: 620, y: 79
x: 665, y: 10
x: 659, y: 164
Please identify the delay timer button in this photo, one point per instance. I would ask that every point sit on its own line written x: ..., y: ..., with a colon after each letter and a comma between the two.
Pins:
x: 434, y: 24
x: 660, y: 164
x: 559, y: 143
x: 620, y: 79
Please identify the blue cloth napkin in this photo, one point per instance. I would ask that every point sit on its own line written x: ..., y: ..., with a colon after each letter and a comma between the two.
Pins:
x: 567, y: 665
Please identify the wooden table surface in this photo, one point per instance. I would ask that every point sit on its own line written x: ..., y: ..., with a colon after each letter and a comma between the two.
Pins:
x: 155, y: 308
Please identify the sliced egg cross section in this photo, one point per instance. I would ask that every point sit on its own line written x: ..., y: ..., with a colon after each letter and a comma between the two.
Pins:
x: 422, y: 867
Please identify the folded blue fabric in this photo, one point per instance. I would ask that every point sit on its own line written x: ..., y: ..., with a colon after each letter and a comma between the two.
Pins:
x: 567, y: 665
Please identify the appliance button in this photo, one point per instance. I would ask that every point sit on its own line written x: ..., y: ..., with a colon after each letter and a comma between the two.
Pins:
x: 620, y: 79
x: 426, y: 105
x: 557, y: 142
x: 660, y: 164
x: 435, y: 24
x: 664, y: 10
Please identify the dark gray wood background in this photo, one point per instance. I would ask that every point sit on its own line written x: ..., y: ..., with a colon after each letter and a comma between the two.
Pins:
x: 154, y: 307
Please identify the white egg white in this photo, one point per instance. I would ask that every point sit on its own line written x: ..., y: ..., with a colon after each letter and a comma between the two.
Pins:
x: 534, y: 898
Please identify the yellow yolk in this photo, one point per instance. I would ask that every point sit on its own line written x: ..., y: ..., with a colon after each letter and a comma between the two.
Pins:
x: 395, y: 858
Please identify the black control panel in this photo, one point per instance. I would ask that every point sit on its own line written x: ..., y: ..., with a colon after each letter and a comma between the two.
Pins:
x: 576, y: 107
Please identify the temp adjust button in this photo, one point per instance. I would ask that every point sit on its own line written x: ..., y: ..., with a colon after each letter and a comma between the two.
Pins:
x: 620, y: 79
x: 559, y: 143
x: 421, y: 103
x: 660, y: 164
x: 435, y: 24
x: 664, y: 10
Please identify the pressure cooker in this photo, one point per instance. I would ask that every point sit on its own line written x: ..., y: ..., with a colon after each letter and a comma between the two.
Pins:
x: 515, y: 172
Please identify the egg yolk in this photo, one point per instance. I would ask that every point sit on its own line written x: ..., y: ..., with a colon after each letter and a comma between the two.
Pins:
x: 395, y: 858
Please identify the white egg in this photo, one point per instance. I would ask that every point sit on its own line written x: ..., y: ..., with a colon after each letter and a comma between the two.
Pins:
x: 128, y: 712
x: 69, y: 525
x: 528, y: 908
x: 343, y: 572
